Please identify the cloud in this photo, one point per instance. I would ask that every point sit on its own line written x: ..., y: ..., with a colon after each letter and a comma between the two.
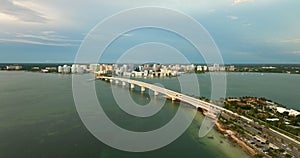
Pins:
x: 35, y: 42
x: 233, y: 17
x: 294, y: 52
x: 47, y: 38
x: 292, y: 40
x: 288, y: 41
x: 20, y: 12
x: 127, y: 35
x: 242, y: 1
x: 48, y: 32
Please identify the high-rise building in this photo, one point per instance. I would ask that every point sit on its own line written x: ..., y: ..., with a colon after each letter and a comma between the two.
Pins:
x: 66, y: 69
x: 199, y: 68
x: 74, y: 68
x: 154, y: 67
x: 60, y: 69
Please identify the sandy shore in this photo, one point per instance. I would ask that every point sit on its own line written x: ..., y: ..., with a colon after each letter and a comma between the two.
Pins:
x: 220, y: 128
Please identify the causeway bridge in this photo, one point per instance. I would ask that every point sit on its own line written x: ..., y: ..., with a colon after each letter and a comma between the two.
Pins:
x: 211, y: 109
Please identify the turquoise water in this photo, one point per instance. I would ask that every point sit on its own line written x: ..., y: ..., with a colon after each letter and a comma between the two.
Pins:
x: 38, y: 117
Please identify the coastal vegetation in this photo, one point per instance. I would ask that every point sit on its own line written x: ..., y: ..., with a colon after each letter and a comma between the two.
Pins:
x: 256, y: 135
x: 262, y: 109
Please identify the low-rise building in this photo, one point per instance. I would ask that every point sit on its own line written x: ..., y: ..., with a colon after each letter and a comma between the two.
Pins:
x: 231, y: 68
x: 13, y: 67
x: 293, y: 113
x: 281, y: 110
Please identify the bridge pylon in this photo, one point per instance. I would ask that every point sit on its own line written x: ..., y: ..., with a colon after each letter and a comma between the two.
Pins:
x: 131, y: 85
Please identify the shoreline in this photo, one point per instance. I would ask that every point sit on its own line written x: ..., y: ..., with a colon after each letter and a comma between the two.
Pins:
x: 231, y: 136
x: 207, y: 72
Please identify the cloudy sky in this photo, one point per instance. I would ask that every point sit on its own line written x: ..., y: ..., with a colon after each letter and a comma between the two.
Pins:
x: 245, y: 31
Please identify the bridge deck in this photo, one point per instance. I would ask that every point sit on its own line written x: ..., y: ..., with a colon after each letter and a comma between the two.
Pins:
x: 197, y: 103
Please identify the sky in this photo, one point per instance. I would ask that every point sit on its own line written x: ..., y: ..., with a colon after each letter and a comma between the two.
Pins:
x: 245, y: 31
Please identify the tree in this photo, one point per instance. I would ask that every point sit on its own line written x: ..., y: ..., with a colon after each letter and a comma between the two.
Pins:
x: 282, y: 141
x: 280, y: 122
x: 291, y: 146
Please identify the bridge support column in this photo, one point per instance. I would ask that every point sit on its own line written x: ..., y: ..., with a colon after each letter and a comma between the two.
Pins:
x: 117, y: 82
x: 110, y: 80
x: 143, y: 89
x: 123, y: 83
x: 106, y: 79
x: 173, y: 98
x: 131, y: 85
x: 155, y: 93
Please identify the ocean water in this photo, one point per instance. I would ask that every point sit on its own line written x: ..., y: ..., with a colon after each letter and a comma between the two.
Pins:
x: 38, y: 117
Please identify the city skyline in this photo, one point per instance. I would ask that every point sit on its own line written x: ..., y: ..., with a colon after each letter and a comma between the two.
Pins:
x: 246, y: 31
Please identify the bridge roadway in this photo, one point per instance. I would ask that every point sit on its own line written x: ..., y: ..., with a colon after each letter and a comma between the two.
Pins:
x: 197, y: 103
